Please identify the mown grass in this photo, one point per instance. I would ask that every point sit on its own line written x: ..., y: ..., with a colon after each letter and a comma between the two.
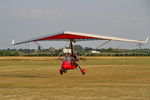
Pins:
x: 108, y: 78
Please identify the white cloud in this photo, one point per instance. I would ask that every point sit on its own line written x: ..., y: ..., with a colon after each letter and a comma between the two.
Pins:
x: 40, y: 14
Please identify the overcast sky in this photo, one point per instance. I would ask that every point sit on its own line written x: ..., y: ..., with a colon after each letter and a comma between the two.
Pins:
x: 25, y: 19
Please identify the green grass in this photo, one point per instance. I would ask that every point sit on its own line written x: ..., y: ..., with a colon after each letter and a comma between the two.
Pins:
x: 106, y: 79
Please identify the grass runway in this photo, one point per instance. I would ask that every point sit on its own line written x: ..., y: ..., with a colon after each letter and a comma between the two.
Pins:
x: 107, y: 78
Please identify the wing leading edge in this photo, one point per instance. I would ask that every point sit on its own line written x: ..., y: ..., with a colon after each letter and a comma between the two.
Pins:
x: 76, y: 36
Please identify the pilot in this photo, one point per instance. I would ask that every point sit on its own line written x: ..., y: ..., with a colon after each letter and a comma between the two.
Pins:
x: 68, y: 56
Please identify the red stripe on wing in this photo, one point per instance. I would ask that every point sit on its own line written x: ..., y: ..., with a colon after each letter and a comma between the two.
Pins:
x: 65, y: 36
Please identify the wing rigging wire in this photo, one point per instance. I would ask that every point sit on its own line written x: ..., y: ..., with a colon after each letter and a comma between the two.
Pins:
x: 43, y: 48
x: 102, y: 44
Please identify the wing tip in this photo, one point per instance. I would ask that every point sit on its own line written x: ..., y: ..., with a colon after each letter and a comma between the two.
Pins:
x: 13, y: 42
x: 146, y: 40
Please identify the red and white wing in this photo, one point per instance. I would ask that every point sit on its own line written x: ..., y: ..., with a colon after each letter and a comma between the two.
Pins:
x: 76, y: 36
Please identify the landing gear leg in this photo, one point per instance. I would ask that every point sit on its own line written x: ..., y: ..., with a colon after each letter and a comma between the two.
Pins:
x: 82, y: 70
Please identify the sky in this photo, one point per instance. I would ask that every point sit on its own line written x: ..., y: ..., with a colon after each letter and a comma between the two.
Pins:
x: 25, y: 19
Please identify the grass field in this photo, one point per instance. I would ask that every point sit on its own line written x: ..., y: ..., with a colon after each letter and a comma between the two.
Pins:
x: 107, y: 78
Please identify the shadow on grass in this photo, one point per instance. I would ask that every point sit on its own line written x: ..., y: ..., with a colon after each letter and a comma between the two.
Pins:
x: 27, y: 76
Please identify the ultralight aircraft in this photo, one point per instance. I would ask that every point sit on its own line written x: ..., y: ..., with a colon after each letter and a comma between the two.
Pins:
x: 71, y: 59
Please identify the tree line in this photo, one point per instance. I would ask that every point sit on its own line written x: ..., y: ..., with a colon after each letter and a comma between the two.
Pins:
x: 81, y: 51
